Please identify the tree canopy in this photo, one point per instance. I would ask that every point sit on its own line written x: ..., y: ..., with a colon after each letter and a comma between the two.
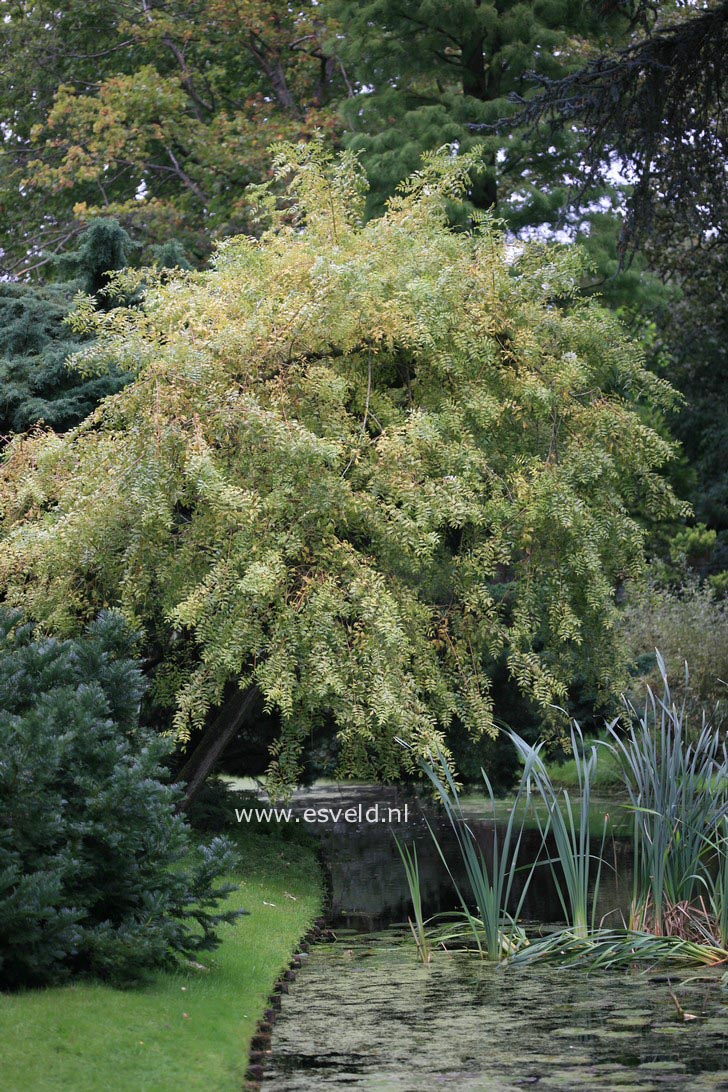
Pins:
x: 356, y: 466
x: 156, y: 112
x: 427, y: 73
x: 159, y: 113
x: 658, y: 108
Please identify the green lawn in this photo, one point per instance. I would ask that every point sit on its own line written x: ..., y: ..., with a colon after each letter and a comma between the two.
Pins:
x: 186, y: 1029
x: 608, y: 778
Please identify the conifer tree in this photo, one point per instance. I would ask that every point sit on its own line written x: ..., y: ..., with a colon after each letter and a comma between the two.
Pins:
x: 98, y: 875
x: 431, y: 71
x: 36, y: 384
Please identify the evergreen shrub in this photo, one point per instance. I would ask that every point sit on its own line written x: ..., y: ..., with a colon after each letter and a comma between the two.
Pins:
x: 98, y: 873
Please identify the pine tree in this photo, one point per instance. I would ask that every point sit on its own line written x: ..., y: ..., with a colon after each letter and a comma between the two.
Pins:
x: 658, y: 107
x: 430, y: 71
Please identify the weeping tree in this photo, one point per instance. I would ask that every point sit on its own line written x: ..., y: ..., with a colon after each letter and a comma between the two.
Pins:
x: 357, y: 466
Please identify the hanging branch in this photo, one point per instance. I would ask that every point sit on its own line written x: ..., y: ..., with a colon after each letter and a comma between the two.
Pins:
x: 657, y: 108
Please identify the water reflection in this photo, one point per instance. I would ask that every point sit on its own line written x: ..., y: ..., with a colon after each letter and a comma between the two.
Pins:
x: 368, y: 889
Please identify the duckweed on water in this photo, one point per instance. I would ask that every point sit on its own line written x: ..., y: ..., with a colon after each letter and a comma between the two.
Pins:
x: 364, y: 1015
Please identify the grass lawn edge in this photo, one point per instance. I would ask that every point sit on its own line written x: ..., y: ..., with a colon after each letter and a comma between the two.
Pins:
x: 186, y: 1028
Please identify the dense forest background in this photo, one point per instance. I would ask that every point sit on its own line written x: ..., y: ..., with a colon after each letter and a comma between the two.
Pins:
x: 135, y: 134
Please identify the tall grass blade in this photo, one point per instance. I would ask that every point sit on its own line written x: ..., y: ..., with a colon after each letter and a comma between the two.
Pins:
x: 608, y: 949
x: 418, y: 927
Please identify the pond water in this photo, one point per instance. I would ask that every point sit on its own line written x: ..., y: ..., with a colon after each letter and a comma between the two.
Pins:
x: 367, y: 885
x: 363, y: 1013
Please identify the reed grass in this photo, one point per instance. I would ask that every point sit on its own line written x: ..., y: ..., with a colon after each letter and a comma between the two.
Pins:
x: 493, y: 929
x: 716, y: 881
x: 418, y: 926
x: 575, y: 869
x: 678, y: 796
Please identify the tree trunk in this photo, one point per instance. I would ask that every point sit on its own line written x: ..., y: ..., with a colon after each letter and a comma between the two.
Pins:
x: 214, y: 741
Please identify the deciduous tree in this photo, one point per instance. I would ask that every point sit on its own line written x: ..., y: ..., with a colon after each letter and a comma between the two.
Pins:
x: 156, y: 112
x: 357, y: 464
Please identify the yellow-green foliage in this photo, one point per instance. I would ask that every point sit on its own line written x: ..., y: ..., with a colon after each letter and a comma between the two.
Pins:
x: 357, y: 463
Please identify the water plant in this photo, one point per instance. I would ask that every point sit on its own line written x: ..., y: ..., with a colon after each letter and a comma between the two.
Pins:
x: 677, y: 785
x: 575, y: 868
x: 717, y: 881
x: 418, y: 926
x: 678, y: 792
x: 607, y: 949
x: 484, y: 915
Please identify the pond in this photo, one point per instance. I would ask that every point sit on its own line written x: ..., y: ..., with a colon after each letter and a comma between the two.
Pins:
x: 364, y: 1014
x: 367, y: 884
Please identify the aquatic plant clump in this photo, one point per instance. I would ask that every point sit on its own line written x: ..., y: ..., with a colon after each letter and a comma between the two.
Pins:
x: 607, y: 949
x: 484, y: 920
x: 678, y: 794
